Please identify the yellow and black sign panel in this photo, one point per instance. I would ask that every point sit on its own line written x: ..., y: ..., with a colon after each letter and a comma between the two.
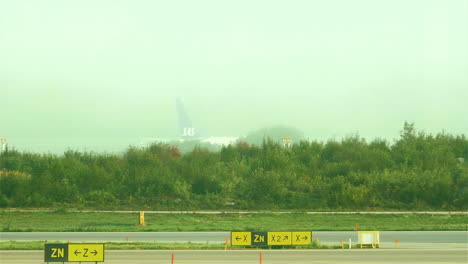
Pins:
x: 74, y: 252
x: 279, y: 238
x: 302, y: 238
x: 259, y: 238
x: 86, y: 252
x: 55, y: 252
x: 271, y: 238
x: 241, y: 238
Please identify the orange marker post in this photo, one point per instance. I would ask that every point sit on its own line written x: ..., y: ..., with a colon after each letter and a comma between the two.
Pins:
x: 261, y: 258
x: 357, y: 227
x: 342, y: 244
x: 226, y: 243
x: 173, y: 258
x: 396, y: 243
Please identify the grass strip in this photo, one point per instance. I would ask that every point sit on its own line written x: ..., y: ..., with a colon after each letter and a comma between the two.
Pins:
x: 11, y: 221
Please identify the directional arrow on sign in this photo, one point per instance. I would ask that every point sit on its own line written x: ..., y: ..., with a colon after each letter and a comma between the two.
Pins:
x: 86, y: 252
x: 302, y: 238
x: 238, y: 238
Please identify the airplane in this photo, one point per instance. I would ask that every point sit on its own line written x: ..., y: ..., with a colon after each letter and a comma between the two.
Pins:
x: 188, y: 132
x: 3, y: 147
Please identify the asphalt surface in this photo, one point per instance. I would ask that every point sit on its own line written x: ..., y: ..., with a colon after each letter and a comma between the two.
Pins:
x: 414, y: 256
x: 406, y: 239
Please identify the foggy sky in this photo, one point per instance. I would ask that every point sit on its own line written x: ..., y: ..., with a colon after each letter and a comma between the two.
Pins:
x: 97, y: 74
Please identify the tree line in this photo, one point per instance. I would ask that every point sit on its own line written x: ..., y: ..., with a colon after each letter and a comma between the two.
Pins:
x: 418, y: 171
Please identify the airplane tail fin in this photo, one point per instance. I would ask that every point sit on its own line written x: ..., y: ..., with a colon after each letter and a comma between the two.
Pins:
x: 186, y: 128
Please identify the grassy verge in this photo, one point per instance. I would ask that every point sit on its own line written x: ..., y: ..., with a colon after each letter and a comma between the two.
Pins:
x: 39, y: 245
x: 119, y: 222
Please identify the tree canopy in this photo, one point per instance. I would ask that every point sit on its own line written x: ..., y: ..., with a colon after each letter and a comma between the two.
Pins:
x: 417, y: 171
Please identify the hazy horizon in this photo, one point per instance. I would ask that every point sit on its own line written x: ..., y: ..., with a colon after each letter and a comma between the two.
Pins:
x: 101, y: 75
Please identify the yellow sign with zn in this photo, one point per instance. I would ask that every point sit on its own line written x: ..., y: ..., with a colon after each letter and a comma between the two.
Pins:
x: 271, y: 238
x: 73, y: 252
